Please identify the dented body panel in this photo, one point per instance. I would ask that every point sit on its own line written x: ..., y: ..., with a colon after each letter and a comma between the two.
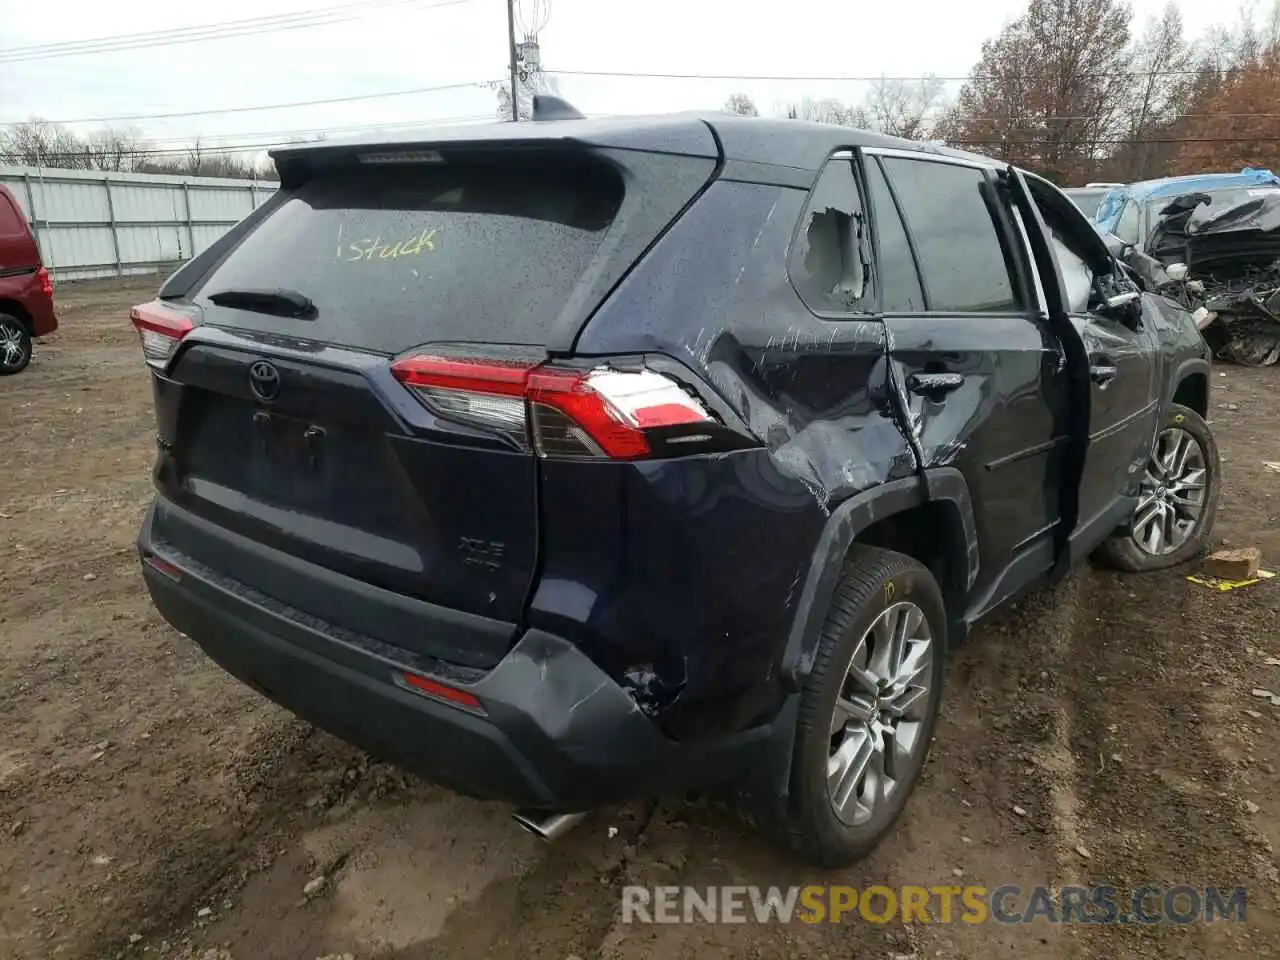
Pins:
x: 1005, y: 429
x: 690, y: 614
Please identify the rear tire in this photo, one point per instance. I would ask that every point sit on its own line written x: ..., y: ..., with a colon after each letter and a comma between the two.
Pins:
x: 885, y: 631
x: 15, y: 345
x: 1175, y: 516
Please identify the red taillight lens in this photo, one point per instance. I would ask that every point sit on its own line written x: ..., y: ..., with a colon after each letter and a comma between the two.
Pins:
x: 163, y: 567
x: 484, y: 393
x: 439, y: 691
x: 608, y: 411
x: 572, y: 413
x: 46, y: 282
x: 161, y: 329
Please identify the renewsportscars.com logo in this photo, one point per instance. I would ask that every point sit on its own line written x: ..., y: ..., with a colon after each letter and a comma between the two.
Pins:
x: 1008, y: 903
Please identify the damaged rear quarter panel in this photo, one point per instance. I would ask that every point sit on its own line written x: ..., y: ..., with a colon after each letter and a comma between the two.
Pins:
x: 682, y: 577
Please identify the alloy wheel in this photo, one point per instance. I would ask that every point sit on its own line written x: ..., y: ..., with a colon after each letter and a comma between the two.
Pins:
x: 1171, y: 499
x: 12, y: 344
x: 877, y: 725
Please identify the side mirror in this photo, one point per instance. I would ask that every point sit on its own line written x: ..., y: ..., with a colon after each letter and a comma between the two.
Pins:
x: 1125, y: 307
x: 1116, y: 247
x: 1121, y: 300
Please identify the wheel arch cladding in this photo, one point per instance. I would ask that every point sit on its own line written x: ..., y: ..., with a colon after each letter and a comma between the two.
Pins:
x: 1191, y: 386
x: 898, y: 515
x: 19, y: 313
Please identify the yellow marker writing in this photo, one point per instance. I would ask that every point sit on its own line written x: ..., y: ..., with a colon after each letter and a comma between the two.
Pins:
x: 370, y: 249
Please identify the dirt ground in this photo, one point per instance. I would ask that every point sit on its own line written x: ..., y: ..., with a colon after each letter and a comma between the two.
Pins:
x: 151, y: 806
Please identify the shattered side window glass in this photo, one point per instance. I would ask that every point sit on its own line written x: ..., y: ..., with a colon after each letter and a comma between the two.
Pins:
x: 830, y: 263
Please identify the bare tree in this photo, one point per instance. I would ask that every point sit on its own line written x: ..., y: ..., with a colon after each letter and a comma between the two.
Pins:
x: 39, y: 143
x: 1050, y: 90
x: 904, y: 108
x: 115, y: 149
x: 742, y: 105
x: 195, y: 157
x: 1163, y: 79
x: 828, y: 110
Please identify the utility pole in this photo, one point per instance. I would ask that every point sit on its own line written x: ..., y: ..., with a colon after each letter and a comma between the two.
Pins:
x: 511, y: 53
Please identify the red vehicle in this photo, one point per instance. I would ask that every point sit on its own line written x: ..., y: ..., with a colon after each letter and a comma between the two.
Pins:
x: 26, y: 291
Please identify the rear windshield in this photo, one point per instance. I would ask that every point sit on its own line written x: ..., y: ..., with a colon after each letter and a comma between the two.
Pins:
x: 397, y: 256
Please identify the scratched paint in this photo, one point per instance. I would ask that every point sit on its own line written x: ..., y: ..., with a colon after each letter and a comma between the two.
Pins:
x: 699, y: 631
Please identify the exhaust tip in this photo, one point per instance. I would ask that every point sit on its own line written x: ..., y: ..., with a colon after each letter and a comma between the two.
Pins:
x: 547, y: 827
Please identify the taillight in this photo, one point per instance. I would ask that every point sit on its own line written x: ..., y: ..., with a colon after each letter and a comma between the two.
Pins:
x: 46, y: 282
x: 600, y: 413
x: 160, y: 328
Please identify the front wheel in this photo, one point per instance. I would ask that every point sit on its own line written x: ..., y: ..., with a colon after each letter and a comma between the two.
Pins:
x: 15, y: 345
x: 868, y: 707
x: 1177, y: 501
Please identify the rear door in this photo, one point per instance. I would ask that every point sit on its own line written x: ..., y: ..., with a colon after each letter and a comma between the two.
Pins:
x: 291, y: 430
x: 983, y: 371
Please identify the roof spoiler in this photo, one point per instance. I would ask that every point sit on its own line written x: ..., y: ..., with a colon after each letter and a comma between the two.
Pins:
x: 547, y: 107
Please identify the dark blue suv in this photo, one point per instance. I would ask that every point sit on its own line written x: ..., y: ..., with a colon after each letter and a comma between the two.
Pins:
x: 569, y: 462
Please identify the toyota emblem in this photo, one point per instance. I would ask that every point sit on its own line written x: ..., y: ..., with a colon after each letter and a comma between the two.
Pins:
x: 264, y: 380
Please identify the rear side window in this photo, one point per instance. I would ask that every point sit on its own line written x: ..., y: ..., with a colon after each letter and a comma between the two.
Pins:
x: 830, y: 258
x: 899, y: 282
x: 396, y: 256
x: 946, y: 209
x: 1127, y: 225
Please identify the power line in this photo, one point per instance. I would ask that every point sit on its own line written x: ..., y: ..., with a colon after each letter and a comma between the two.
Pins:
x: 191, y: 148
x: 216, y: 31
x: 260, y: 107
x: 865, y: 78
x: 224, y: 150
x: 216, y: 140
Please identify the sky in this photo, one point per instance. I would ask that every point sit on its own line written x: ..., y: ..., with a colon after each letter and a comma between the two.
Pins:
x: 384, y: 46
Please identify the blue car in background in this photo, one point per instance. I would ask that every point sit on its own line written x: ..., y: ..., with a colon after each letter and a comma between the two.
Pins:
x: 1132, y: 211
x: 1211, y: 242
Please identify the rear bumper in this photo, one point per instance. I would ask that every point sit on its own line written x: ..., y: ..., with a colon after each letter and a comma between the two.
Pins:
x: 43, y: 320
x: 24, y: 289
x: 555, y: 732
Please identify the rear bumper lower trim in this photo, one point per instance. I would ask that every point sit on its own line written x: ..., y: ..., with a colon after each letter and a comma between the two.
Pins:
x: 556, y: 732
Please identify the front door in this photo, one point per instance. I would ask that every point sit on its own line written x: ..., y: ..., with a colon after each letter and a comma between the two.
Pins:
x: 982, y: 370
x: 1123, y: 378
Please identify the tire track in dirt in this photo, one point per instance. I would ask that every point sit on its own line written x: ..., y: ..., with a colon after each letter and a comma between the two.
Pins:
x: 1003, y: 715
x: 1160, y: 727
x: 566, y: 899
x: 1007, y: 727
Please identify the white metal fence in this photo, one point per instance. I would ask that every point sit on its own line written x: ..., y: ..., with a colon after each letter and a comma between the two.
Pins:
x: 96, y: 224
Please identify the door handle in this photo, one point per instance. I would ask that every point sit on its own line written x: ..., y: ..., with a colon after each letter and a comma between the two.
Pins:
x: 934, y: 386
x: 1102, y: 372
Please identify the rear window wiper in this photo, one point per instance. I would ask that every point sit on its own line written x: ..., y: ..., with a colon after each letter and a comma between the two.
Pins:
x: 279, y: 302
